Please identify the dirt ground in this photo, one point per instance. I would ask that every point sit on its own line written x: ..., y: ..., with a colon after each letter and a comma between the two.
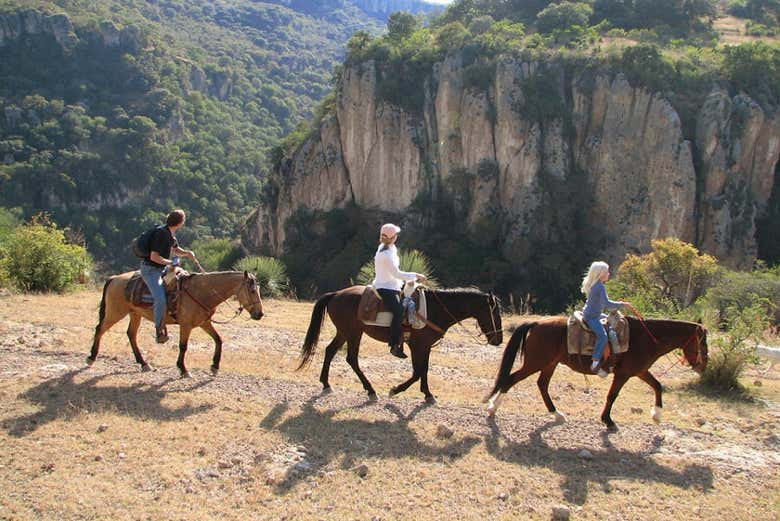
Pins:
x: 259, y: 441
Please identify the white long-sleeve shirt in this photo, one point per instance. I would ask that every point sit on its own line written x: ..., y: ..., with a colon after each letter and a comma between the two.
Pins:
x: 386, y: 263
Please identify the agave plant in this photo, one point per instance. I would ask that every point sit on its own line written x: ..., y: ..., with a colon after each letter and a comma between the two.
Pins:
x: 270, y: 273
x: 412, y: 260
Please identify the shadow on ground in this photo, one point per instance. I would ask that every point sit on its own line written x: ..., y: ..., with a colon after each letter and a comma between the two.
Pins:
x: 350, y: 440
x: 606, y: 465
x: 66, y: 397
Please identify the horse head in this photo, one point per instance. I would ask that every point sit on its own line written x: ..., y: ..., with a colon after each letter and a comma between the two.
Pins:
x: 249, y: 296
x: 489, y: 320
x: 695, y: 350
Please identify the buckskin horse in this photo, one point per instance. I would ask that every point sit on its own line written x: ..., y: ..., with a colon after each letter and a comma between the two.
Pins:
x: 445, y: 308
x: 542, y: 346
x: 199, y: 298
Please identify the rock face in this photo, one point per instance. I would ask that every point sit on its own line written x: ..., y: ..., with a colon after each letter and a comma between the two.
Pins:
x: 607, y: 154
x: 15, y: 25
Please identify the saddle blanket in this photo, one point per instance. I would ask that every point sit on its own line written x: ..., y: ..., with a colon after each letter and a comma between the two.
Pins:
x: 581, y: 340
x: 384, y: 318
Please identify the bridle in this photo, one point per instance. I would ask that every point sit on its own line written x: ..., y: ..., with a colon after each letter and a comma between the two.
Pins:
x: 246, y: 285
x: 492, y: 305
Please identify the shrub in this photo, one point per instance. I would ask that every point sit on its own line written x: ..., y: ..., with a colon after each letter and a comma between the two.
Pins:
x: 217, y: 254
x: 271, y: 274
x: 38, y: 257
x: 666, y: 280
x: 412, y: 260
x: 563, y: 16
x: 740, y: 290
x: 736, y: 348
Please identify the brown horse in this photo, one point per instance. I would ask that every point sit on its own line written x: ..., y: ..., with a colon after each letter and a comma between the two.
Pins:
x: 445, y: 308
x: 200, y: 296
x: 543, y: 346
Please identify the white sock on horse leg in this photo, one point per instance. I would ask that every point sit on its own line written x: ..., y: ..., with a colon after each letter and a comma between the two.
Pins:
x: 493, y: 403
x: 656, y: 413
x: 559, y: 417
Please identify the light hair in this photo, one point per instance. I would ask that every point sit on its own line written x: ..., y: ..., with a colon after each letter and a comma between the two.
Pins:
x: 594, y: 274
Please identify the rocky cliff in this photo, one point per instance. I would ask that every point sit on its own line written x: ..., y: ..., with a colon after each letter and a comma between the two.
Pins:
x: 605, y: 159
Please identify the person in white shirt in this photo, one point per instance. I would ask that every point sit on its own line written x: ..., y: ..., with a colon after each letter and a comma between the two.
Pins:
x: 389, y: 280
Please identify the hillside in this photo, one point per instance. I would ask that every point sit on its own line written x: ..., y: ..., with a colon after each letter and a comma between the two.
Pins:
x: 113, y: 112
x: 530, y: 143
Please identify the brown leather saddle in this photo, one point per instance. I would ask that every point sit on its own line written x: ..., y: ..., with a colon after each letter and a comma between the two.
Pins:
x: 581, y: 340
x: 371, y: 304
x: 138, y: 294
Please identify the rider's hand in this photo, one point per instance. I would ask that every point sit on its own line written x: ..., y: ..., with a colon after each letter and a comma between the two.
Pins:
x: 421, y: 277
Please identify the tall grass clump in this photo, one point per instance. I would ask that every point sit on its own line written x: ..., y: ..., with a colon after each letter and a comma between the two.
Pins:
x: 270, y: 273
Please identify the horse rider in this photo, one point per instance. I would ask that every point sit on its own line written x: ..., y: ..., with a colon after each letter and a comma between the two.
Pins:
x: 597, y: 302
x: 389, y: 280
x: 162, y: 242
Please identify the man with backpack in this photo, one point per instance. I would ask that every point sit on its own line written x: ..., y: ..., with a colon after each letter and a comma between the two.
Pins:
x: 160, y: 243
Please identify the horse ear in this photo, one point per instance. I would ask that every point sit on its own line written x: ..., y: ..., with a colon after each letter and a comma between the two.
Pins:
x: 246, y: 275
x: 698, y: 321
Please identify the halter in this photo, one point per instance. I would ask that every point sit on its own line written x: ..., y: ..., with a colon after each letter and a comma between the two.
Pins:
x: 696, y: 336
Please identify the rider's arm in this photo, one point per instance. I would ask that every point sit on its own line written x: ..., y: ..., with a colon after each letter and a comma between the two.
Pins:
x: 389, y: 267
x: 182, y: 252
x: 159, y: 259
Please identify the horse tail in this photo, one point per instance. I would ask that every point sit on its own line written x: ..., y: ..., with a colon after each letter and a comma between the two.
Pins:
x: 102, y: 310
x: 313, y: 333
x: 517, y: 342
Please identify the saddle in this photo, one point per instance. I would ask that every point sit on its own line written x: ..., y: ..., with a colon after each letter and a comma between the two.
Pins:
x: 138, y: 294
x: 581, y: 340
x: 373, y: 312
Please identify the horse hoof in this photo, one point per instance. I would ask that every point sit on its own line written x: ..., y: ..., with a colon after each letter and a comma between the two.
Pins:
x: 612, y: 427
x: 146, y: 368
x: 214, y: 371
x: 559, y: 417
x: 90, y: 361
x: 491, y: 413
x: 326, y: 390
x: 392, y: 393
x: 656, y: 414
x: 372, y: 397
x: 430, y: 399
x: 186, y: 374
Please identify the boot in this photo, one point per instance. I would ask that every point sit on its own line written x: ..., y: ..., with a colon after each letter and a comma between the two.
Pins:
x: 398, y: 351
x: 161, y: 334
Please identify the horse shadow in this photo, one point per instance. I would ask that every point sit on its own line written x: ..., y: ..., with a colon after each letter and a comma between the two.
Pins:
x: 66, y: 398
x: 351, y: 440
x: 606, y: 465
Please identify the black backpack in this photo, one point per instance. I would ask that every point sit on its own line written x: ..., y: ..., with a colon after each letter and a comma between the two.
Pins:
x: 141, y: 243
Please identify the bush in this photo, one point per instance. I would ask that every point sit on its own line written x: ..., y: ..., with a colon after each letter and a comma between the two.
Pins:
x: 217, y: 254
x: 271, y: 274
x: 666, y: 280
x: 37, y: 257
x: 412, y: 260
x: 740, y: 290
x: 563, y: 16
x: 736, y: 349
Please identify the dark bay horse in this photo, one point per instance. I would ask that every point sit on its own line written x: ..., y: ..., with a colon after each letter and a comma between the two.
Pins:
x: 445, y: 308
x: 199, y: 298
x: 543, y: 346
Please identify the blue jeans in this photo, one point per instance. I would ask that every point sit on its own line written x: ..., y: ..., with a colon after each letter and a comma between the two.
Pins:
x: 153, y: 277
x: 392, y: 300
x: 597, y: 327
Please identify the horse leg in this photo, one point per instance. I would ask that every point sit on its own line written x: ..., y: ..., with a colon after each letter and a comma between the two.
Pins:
x: 650, y: 380
x: 184, y: 337
x: 132, y: 335
x: 330, y: 352
x: 422, y: 370
x: 208, y: 327
x: 521, y: 374
x: 415, y: 374
x: 544, y: 384
x: 110, y: 317
x: 617, y: 384
x: 353, y: 347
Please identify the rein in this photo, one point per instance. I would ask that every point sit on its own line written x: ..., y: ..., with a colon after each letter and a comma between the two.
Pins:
x: 479, y: 332
x: 644, y: 326
x: 209, y: 310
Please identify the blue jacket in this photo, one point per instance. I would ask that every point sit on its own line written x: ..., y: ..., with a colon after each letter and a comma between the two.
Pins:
x: 598, y: 301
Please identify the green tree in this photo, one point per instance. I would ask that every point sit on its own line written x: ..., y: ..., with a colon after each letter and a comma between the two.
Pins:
x: 563, y: 16
x: 401, y: 25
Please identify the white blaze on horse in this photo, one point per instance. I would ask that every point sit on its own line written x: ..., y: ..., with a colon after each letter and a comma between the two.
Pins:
x: 198, y: 300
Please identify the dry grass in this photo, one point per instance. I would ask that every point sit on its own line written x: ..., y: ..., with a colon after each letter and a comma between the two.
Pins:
x: 259, y: 442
